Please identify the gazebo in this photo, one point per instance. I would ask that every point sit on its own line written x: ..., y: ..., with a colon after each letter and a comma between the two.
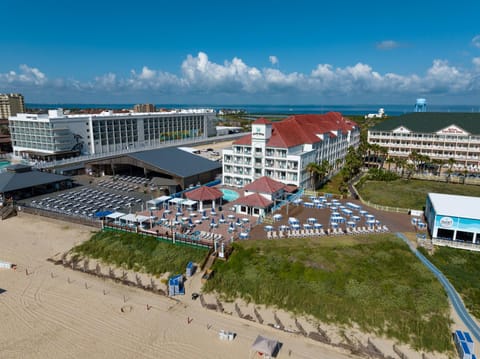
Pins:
x: 204, y: 193
x: 266, y: 347
x: 254, y: 205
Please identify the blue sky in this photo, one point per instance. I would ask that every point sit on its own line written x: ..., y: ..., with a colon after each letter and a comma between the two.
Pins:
x: 239, y: 52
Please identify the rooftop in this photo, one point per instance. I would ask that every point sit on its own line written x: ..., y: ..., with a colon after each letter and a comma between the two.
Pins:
x: 175, y: 161
x: 454, y: 205
x: 265, y: 185
x: 13, y: 180
x: 300, y: 129
x: 431, y: 122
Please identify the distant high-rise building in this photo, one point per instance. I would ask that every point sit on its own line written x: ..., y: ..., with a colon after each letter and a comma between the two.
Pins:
x: 144, y: 107
x: 11, y: 104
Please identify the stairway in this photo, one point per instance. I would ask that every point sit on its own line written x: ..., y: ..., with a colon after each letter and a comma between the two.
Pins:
x: 7, y: 212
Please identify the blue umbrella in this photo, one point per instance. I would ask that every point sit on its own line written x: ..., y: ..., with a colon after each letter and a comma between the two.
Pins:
x: 190, y: 221
x: 213, y: 220
x: 164, y: 215
x: 222, y: 217
x: 238, y: 220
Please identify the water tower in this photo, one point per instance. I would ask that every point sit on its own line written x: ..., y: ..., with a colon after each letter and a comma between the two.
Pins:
x: 421, y: 105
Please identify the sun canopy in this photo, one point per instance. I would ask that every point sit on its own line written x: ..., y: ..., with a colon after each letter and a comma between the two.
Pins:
x: 115, y: 215
x: 176, y: 200
x: 265, y: 346
x: 156, y: 201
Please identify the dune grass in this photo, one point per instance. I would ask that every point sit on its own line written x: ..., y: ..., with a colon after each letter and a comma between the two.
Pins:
x: 410, y: 193
x: 462, y: 270
x: 140, y: 253
x: 374, y: 282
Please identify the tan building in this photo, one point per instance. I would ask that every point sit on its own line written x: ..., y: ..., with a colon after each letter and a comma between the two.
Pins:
x: 11, y: 104
x: 144, y: 107
x: 440, y: 136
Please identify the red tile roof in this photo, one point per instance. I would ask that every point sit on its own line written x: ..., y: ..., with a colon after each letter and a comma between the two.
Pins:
x: 264, y: 185
x: 204, y: 193
x: 290, y: 188
x: 261, y: 121
x: 300, y: 129
x: 254, y: 200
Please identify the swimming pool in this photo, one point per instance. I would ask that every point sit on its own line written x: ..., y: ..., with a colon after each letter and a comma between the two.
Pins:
x: 4, y: 164
x: 229, y: 195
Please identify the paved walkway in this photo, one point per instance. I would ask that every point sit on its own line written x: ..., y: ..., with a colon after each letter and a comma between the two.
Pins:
x: 452, y: 293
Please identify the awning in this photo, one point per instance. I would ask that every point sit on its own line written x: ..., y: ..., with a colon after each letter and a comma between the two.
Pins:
x: 115, y: 215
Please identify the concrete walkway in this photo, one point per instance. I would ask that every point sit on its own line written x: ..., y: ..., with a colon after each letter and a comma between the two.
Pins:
x: 451, y: 292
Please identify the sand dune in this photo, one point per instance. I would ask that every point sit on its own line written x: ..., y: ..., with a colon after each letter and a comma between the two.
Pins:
x: 55, y: 312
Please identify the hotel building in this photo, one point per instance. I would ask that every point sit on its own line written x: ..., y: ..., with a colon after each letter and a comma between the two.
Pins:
x: 440, y: 136
x: 282, y: 150
x: 11, y: 104
x: 56, y: 136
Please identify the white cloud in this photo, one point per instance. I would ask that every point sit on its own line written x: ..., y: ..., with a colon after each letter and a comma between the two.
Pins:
x: 273, y: 60
x: 26, y: 76
x: 207, y: 80
x: 387, y: 45
x: 476, y: 41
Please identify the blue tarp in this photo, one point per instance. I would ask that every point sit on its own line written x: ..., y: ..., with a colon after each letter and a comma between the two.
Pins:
x: 103, y: 214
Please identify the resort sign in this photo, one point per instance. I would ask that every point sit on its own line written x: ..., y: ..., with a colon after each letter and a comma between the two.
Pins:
x: 452, y: 130
x: 446, y: 222
x: 258, y: 132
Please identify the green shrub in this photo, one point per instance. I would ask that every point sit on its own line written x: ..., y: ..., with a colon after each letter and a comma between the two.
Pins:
x: 375, y: 282
x: 138, y: 252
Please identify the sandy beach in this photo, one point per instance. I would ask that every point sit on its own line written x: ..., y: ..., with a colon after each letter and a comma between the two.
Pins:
x: 55, y: 312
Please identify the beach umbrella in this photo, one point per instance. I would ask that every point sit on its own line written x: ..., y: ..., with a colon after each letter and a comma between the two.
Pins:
x: 231, y: 227
x: 190, y: 221
x: 268, y: 228
x: 222, y: 217
x: 164, y: 215
x: 238, y: 220
x: 317, y: 225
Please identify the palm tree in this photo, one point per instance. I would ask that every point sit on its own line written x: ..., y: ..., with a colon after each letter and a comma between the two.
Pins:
x: 389, y: 162
x: 312, y: 169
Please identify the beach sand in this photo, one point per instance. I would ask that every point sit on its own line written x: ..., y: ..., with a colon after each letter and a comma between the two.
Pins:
x: 49, y: 311
x: 55, y: 312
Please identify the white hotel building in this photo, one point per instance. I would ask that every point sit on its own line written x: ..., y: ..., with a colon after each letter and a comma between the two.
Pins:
x: 440, y: 136
x: 56, y: 136
x: 282, y: 150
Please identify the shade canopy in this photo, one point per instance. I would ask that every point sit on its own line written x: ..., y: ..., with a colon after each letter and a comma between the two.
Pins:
x: 204, y: 193
x: 265, y: 345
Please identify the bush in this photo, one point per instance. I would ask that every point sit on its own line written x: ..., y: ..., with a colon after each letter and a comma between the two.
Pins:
x: 138, y: 252
x: 379, y: 174
x: 374, y: 282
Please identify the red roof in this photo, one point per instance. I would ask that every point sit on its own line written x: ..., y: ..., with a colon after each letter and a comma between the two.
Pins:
x: 264, y: 185
x: 299, y: 129
x: 290, y: 188
x: 261, y: 121
x: 204, y: 193
x: 254, y: 200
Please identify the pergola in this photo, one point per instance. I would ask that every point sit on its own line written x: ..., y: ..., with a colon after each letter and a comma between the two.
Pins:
x: 204, y: 193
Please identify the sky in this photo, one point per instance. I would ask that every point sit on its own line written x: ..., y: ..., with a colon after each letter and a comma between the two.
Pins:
x: 241, y: 52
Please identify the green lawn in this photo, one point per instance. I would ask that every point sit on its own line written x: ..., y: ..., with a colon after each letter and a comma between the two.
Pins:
x: 410, y: 193
x: 375, y: 282
x: 332, y: 185
x: 462, y: 270
x: 140, y: 253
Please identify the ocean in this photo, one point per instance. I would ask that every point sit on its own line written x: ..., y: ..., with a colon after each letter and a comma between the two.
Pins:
x: 391, y: 110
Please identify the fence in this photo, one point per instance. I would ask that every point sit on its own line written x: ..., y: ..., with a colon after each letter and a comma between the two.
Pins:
x: 178, y: 240
x: 456, y: 244
x: 92, y: 222
x: 377, y: 206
